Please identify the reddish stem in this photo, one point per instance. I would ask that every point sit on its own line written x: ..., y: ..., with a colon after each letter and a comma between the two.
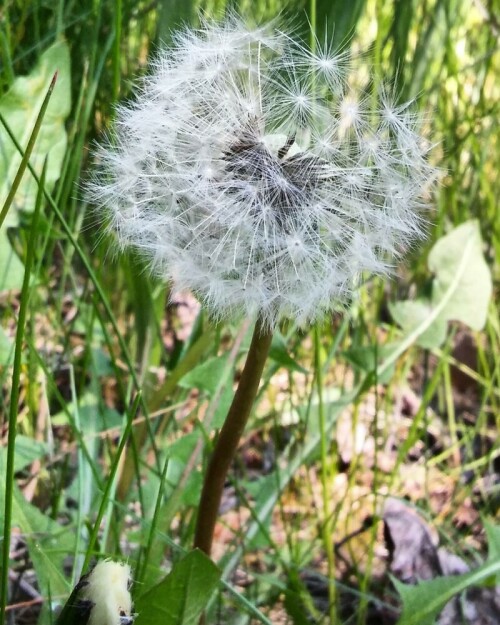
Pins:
x: 229, y: 437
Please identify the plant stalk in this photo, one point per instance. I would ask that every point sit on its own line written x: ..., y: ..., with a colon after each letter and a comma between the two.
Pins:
x: 229, y: 437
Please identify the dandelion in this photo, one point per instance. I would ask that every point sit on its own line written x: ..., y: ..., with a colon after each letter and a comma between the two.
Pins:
x: 250, y: 172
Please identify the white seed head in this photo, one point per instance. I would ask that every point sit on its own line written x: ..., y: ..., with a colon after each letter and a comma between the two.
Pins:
x: 248, y: 171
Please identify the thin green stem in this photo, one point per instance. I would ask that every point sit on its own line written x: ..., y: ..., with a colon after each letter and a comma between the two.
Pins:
x: 229, y: 437
x: 27, y: 153
x: 325, y: 477
x: 313, y: 22
x: 109, y: 484
x: 117, y: 50
x: 14, y: 399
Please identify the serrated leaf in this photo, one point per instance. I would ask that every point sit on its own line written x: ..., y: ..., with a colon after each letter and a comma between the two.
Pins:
x: 423, y: 602
x: 181, y: 597
x: 457, y: 262
x: 20, y: 107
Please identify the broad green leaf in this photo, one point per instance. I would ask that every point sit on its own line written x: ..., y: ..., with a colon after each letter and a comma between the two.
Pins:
x: 400, y: 34
x: 27, y: 450
x: 101, y: 362
x: 461, y: 289
x: 181, y: 597
x: 19, y: 107
x: 413, y: 314
x: 337, y: 21
x: 457, y: 263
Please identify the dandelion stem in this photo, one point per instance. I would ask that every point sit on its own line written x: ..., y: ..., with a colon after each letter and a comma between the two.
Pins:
x: 229, y: 437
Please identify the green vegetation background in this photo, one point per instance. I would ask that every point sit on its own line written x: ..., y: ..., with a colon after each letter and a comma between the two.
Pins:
x: 97, y: 330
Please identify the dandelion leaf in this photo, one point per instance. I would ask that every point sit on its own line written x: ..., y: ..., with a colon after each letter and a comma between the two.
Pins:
x: 461, y: 289
x: 181, y: 597
x: 423, y: 602
x: 19, y: 108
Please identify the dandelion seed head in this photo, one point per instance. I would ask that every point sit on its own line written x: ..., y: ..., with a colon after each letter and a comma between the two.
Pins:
x: 249, y: 172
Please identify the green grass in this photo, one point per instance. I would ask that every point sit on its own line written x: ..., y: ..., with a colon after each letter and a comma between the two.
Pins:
x: 99, y: 330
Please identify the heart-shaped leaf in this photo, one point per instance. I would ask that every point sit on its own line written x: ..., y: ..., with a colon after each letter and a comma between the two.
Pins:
x: 462, y: 277
x: 461, y: 289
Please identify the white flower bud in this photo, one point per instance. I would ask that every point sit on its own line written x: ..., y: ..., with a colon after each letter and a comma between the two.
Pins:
x: 107, y: 588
